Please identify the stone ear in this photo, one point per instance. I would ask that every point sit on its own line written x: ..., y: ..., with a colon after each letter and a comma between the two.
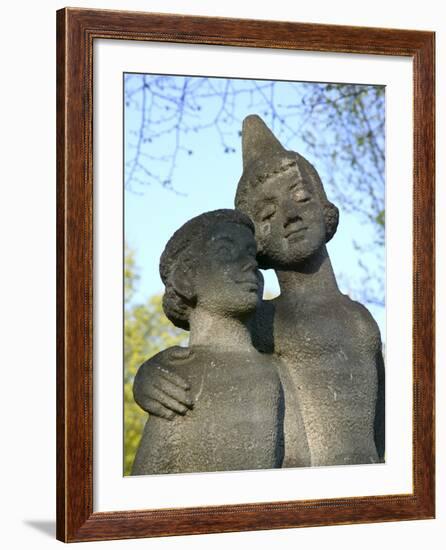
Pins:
x: 331, y: 217
x: 182, y: 280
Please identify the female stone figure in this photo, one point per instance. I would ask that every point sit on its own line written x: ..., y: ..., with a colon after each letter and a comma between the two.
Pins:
x: 210, y: 273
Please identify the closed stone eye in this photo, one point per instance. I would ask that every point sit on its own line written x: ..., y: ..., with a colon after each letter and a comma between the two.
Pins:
x: 268, y: 213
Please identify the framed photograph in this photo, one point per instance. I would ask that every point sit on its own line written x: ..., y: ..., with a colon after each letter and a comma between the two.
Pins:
x: 245, y: 246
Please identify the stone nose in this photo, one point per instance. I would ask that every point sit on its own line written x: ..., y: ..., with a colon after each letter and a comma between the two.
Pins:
x: 291, y: 213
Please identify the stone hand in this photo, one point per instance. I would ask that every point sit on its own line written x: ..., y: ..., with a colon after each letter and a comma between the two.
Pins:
x: 161, y: 392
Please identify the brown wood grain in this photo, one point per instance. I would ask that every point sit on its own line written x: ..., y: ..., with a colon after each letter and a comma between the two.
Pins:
x: 76, y: 31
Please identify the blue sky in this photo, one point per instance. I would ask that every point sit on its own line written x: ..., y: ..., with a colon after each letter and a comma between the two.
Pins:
x: 207, y: 180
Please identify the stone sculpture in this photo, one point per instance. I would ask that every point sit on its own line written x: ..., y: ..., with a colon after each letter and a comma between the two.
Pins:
x: 330, y: 344
x: 209, y: 269
x: 332, y: 369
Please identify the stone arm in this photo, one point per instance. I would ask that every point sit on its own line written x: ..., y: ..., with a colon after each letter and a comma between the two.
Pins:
x: 372, y: 333
x: 159, y: 391
x: 379, y: 425
x: 163, y: 393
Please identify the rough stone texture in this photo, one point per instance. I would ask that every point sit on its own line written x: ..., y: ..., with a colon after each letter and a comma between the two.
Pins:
x: 236, y: 423
x: 325, y: 347
x: 210, y: 272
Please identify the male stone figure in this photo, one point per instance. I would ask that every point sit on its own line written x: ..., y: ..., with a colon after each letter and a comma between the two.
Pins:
x: 330, y: 345
x: 210, y: 272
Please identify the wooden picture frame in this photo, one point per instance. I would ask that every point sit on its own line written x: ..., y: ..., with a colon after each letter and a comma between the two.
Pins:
x: 76, y: 31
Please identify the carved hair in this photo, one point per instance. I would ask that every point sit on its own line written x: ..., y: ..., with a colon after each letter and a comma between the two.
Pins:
x: 181, y: 253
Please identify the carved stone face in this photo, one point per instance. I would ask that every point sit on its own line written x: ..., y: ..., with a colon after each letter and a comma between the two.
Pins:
x: 226, y: 274
x: 288, y: 218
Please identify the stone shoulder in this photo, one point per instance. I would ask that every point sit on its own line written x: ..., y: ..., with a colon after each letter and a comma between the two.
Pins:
x: 364, y: 322
x: 171, y: 357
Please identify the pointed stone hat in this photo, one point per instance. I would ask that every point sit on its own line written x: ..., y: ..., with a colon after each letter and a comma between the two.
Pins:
x: 263, y: 156
x: 258, y: 141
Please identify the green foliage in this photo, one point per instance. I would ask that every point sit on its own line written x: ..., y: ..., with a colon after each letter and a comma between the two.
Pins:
x: 146, y: 332
x: 381, y: 218
x: 131, y: 276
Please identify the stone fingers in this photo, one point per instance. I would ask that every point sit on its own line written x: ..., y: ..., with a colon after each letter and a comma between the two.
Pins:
x: 178, y: 393
x: 173, y: 378
x: 157, y: 409
x: 162, y: 397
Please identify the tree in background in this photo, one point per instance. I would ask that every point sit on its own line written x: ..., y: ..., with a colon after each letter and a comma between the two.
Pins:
x: 338, y: 127
x: 146, y: 332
